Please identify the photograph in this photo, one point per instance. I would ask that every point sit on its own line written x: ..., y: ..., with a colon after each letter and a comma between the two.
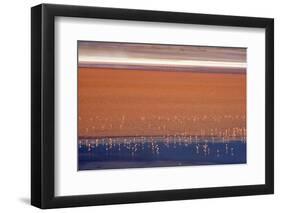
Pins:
x: 144, y: 105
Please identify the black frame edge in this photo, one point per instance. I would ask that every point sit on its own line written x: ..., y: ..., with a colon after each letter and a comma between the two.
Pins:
x: 156, y: 16
x: 42, y: 105
x: 269, y: 105
x: 158, y: 196
x: 36, y: 49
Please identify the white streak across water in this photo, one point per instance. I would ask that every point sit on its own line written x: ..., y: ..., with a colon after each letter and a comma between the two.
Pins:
x: 97, y: 60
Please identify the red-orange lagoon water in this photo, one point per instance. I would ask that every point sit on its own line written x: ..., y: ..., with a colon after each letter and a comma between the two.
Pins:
x: 114, y: 102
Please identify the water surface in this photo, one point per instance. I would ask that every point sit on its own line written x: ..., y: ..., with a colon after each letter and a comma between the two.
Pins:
x: 143, y: 152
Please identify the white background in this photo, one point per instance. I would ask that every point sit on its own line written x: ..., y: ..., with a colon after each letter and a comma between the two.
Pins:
x: 15, y: 106
x: 70, y: 182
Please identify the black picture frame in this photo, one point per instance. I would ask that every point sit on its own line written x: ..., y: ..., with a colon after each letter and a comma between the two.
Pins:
x: 43, y: 102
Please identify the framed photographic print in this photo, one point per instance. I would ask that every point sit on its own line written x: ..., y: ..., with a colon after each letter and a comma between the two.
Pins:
x: 139, y: 106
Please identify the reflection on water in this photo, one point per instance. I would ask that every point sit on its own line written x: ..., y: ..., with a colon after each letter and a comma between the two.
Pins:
x: 136, y: 152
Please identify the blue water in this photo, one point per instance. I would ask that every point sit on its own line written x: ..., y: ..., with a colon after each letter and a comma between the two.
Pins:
x: 143, y: 152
